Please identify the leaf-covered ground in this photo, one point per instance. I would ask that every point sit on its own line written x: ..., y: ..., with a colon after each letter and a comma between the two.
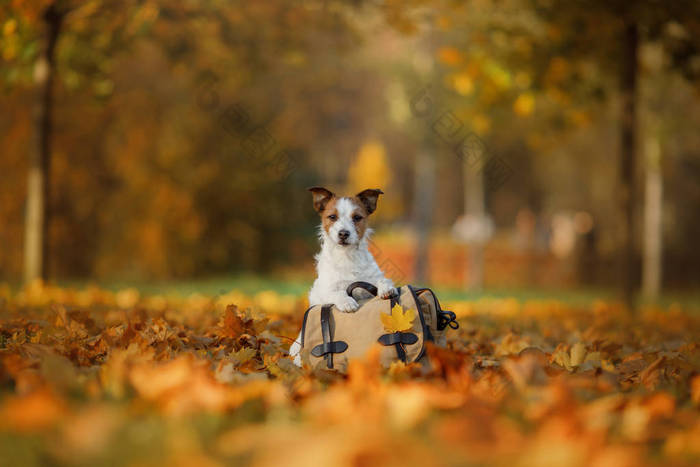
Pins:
x: 93, y: 377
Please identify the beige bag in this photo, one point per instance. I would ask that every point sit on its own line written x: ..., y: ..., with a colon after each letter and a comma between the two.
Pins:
x: 330, y: 338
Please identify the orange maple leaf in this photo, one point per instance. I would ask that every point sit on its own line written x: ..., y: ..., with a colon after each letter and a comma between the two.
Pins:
x: 232, y: 325
x: 399, y: 320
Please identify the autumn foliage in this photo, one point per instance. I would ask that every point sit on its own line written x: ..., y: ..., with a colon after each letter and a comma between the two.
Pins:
x: 93, y: 377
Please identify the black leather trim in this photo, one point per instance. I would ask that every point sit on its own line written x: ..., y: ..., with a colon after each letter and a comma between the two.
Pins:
x: 326, y: 332
x: 435, y: 299
x: 422, y: 322
x: 394, y: 338
x: 401, y: 352
x: 303, y: 324
x: 362, y: 285
x: 445, y: 317
x: 398, y: 340
x: 329, y: 348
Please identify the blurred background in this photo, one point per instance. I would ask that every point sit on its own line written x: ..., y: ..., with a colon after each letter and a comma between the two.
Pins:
x: 521, y: 144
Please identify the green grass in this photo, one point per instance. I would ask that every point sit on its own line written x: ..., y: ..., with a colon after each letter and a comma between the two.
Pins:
x: 580, y: 296
x: 251, y: 284
x: 689, y: 300
x: 248, y: 284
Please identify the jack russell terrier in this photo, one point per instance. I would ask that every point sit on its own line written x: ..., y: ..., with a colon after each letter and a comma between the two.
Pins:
x: 344, y: 257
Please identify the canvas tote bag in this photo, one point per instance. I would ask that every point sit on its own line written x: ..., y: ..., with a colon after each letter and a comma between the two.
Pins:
x: 401, y: 325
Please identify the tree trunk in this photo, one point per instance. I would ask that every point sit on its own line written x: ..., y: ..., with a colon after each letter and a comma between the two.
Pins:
x: 423, y: 209
x: 474, y: 208
x: 653, y: 216
x: 627, y: 160
x: 36, y: 241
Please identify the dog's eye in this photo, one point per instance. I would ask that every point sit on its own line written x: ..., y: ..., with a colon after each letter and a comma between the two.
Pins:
x: 357, y: 218
x: 333, y: 217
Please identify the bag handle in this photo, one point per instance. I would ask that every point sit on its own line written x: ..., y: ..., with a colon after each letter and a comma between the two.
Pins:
x: 362, y: 285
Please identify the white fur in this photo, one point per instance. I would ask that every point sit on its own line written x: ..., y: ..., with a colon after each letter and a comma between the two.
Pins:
x: 344, y: 208
x: 340, y: 265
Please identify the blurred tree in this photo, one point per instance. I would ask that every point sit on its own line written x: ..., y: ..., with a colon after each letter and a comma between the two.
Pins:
x: 425, y: 178
x: 566, y: 52
x: 573, y: 41
x: 653, y: 211
x: 36, y: 240
x: 149, y: 129
x: 613, y: 33
x: 424, y: 196
x: 32, y: 33
x: 184, y: 131
x: 482, y: 78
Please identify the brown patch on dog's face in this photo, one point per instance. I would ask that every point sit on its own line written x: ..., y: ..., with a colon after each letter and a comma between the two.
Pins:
x: 359, y: 216
x: 329, y: 215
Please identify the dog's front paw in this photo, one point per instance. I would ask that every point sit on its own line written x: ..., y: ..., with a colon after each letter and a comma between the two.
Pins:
x: 346, y: 304
x: 387, y: 291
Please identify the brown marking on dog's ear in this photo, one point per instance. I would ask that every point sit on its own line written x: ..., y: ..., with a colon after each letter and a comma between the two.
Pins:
x: 369, y: 198
x: 321, y: 196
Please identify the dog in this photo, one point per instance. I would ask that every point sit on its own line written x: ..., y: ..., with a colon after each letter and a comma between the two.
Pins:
x: 344, y: 257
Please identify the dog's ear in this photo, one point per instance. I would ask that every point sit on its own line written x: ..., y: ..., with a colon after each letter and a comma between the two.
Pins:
x: 321, y: 196
x: 369, y: 199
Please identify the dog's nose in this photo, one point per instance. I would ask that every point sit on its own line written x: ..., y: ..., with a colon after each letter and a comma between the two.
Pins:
x: 344, y: 234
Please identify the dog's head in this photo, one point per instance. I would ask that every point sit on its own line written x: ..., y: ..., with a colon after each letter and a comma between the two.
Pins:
x: 344, y: 219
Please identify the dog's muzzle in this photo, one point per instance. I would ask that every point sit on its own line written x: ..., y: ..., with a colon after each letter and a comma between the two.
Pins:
x: 343, y: 237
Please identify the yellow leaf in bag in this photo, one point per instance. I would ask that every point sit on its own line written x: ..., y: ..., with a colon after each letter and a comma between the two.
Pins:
x: 399, y: 320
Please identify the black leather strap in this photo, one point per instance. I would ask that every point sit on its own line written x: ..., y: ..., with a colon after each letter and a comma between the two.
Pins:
x: 401, y: 352
x: 447, y: 318
x: 326, y: 331
x: 303, y: 325
x: 399, y: 339
x: 407, y: 338
x: 362, y: 285
x: 329, y: 348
